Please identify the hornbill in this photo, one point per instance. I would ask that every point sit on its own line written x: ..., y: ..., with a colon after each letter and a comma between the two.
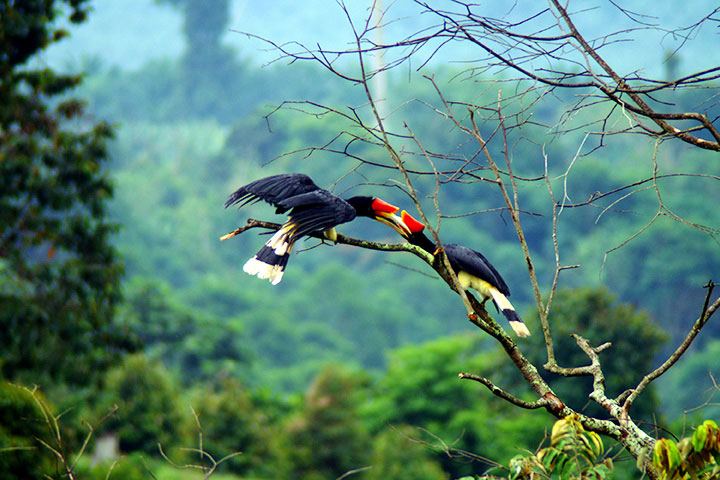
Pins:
x: 473, y: 270
x: 312, y: 209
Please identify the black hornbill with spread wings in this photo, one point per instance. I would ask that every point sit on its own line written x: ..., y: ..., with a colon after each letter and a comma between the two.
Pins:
x: 312, y: 209
x: 473, y: 270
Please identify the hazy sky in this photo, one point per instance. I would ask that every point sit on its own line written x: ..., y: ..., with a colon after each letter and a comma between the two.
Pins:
x: 128, y: 33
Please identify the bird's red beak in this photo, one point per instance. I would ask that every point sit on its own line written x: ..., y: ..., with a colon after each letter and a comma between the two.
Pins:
x: 413, y: 225
x: 385, y: 213
x: 381, y: 206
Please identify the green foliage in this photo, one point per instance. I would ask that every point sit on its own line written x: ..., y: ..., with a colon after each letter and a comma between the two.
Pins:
x: 462, y: 421
x: 195, y: 346
x: 398, y: 454
x: 675, y: 263
x: 327, y: 437
x: 420, y: 379
x: 138, y: 466
x: 199, y: 292
x: 695, y: 457
x: 23, y: 428
x: 231, y: 423
x: 58, y: 272
x: 130, y: 467
x: 595, y: 314
x: 379, y: 314
x: 148, y: 411
x: 573, y: 454
x: 193, y: 134
x: 662, y: 268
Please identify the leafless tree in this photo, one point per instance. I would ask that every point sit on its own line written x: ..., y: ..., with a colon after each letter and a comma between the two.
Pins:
x: 542, y: 54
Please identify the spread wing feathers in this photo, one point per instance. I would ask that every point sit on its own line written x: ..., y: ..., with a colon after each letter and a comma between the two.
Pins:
x: 312, y: 209
x: 273, y: 190
x: 468, y: 260
x: 316, y: 211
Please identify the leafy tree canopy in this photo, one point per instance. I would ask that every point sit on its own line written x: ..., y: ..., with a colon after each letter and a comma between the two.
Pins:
x: 58, y: 272
x: 148, y: 406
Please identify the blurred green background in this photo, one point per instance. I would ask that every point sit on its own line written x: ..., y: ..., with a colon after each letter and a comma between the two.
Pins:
x: 353, y: 359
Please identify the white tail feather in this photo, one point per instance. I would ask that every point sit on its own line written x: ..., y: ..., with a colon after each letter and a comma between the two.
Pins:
x: 508, y: 310
x: 501, y: 300
x: 278, y: 242
x: 276, y: 274
x: 281, y: 247
x: 256, y: 267
x: 520, y: 328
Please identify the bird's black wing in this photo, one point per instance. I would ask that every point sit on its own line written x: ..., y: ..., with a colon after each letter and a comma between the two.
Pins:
x: 473, y: 262
x: 317, y: 211
x: 273, y: 190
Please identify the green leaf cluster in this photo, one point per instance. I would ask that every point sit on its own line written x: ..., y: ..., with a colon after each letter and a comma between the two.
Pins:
x: 327, y: 438
x: 573, y: 454
x: 148, y: 406
x: 696, y: 457
x: 59, y: 273
x: 232, y: 423
x: 398, y: 452
x: 457, y: 419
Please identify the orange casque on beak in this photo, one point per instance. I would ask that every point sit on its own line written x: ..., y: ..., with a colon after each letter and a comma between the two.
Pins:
x: 413, y: 225
x: 385, y: 213
x: 381, y: 206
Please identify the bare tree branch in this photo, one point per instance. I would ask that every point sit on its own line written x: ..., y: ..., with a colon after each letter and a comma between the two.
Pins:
x: 499, y: 392
x: 547, y: 50
x: 341, y: 239
x: 630, y: 396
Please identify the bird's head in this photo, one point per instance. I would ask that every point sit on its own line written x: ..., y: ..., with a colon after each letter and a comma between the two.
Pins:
x: 379, y: 210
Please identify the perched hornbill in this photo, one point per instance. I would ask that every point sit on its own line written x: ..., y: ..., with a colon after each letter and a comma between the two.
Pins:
x: 312, y: 209
x: 472, y: 269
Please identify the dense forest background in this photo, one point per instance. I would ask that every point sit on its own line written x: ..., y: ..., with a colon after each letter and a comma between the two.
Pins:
x: 356, y: 350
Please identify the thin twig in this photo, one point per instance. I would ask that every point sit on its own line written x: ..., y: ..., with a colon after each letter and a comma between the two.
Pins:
x: 499, y: 392
x: 707, y: 312
x: 341, y: 239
